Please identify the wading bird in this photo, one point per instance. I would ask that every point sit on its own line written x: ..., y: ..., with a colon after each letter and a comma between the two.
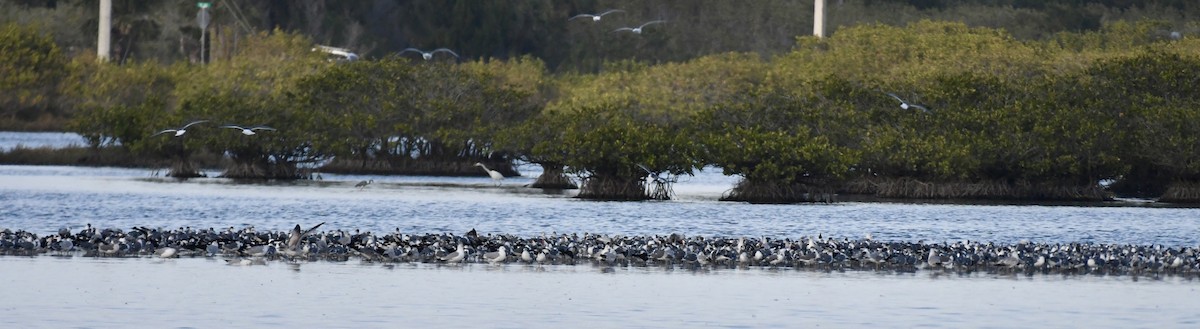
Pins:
x: 248, y: 130
x: 363, y: 184
x: 180, y: 131
x: 496, y: 176
x: 638, y: 29
x: 596, y: 17
x: 427, y: 55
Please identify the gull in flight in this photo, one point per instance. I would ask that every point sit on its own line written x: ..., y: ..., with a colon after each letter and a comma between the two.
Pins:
x: 638, y: 29
x: 248, y: 130
x: 596, y: 17
x: 427, y: 55
x: 906, y: 105
x: 657, y: 178
x: 180, y: 131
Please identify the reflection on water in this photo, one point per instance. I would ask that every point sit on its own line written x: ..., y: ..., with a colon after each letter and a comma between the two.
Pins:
x: 198, y: 292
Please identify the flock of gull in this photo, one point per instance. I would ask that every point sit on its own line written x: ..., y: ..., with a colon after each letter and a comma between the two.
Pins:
x: 248, y: 246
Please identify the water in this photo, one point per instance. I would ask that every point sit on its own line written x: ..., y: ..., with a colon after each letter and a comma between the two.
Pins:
x: 52, y: 291
x: 88, y: 292
x: 43, y: 199
x: 10, y: 140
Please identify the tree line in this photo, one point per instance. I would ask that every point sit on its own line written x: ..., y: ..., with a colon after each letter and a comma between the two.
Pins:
x: 1076, y: 117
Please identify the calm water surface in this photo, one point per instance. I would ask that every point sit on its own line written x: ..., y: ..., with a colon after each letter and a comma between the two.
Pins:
x: 86, y: 292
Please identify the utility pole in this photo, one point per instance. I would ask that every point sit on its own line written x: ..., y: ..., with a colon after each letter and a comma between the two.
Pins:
x: 104, y: 44
x: 819, y: 18
x: 202, y: 19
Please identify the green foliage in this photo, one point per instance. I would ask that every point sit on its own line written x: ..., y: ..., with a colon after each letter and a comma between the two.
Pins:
x: 31, y: 67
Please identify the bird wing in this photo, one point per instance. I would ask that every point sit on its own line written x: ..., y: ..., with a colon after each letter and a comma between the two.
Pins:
x: 233, y: 127
x: 896, y: 97
x: 193, y: 123
x: 446, y: 50
x: 581, y: 15
x: 919, y: 106
x: 610, y: 11
x: 623, y: 29
x: 261, y: 128
x: 412, y: 49
x: 647, y: 170
x: 651, y: 22
x: 163, y: 132
x: 310, y: 230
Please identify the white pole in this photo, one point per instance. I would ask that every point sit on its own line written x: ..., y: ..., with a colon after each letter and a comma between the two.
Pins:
x: 104, y: 45
x: 819, y: 19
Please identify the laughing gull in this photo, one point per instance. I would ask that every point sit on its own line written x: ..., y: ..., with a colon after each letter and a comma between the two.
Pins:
x: 638, y: 30
x: 179, y: 131
x: 427, y: 55
x: 906, y: 105
x: 248, y: 130
x: 596, y: 17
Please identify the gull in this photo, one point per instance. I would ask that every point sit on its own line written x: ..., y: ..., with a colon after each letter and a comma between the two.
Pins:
x: 167, y: 252
x: 427, y: 55
x: 525, y: 256
x: 496, y: 176
x: 346, y: 54
x: 496, y: 256
x: 638, y: 29
x: 596, y: 17
x: 905, y: 105
x: 934, y: 259
x: 657, y: 178
x: 248, y: 130
x: 296, y: 235
x: 212, y: 249
x: 457, y: 256
x: 180, y: 131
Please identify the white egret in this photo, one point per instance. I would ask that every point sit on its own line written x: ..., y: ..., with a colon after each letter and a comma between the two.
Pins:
x: 496, y: 176
x: 906, y: 105
x: 638, y: 29
x: 248, y: 130
x: 596, y: 17
x: 181, y: 130
x: 427, y: 55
